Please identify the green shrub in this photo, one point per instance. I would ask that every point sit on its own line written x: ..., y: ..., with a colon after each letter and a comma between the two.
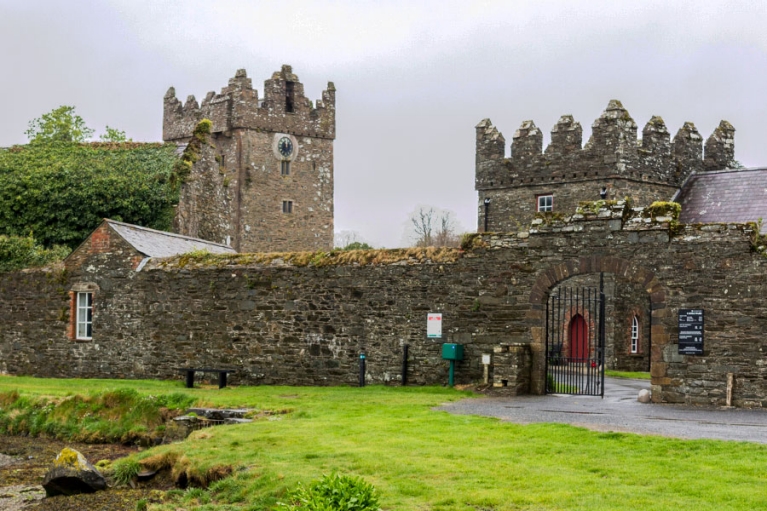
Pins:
x: 332, y: 493
x: 17, y: 252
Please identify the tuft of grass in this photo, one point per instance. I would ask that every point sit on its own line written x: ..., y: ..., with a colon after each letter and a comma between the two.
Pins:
x: 125, y: 469
x: 333, y: 492
x: 415, y: 255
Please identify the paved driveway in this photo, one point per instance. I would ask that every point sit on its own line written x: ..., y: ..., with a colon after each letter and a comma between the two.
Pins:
x: 620, y: 411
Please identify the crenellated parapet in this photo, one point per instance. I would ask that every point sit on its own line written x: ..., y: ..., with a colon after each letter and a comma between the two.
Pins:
x: 720, y: 148
x: 284, y: 108
x: 612, y: 152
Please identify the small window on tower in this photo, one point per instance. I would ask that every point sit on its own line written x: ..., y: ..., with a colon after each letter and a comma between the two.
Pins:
x: 285, y: 168
x: 289, y: 96
x: 545, y: 203
x: 222, y: 161
x: 287, y: 206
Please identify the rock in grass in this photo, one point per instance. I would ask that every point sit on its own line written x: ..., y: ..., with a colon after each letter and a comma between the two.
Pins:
x: 72, y: 474
x: 644, y: 396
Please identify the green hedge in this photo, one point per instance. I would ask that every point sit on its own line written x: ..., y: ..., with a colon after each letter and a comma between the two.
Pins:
x: 59, y: 192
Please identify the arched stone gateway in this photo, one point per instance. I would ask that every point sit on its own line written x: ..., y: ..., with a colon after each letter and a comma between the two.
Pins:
x: 547, y: 280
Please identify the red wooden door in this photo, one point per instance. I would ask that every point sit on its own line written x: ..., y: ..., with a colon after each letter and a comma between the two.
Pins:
x: 579, y: 338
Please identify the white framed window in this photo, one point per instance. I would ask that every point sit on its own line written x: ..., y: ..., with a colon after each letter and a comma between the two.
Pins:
x: 84, y: 325
x: 287, y: 206
x: 635, y: 335
x: 545, y: 203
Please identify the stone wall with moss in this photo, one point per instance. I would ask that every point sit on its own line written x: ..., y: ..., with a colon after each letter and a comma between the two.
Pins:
x: 306, y: 318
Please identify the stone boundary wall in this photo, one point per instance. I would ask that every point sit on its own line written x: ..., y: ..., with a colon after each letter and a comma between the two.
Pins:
x: 305, y: 322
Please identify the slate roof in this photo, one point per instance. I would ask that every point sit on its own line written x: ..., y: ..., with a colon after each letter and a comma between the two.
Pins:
x: 725, y: 196
x: 154, y: 243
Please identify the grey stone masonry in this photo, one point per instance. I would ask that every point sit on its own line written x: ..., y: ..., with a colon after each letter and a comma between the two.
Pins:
x: 238, y: 106
x: 613, y: 161
x: 243, y: 190
x: 284, y: 319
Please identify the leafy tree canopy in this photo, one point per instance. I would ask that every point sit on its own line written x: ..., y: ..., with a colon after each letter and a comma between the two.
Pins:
x: 114, y: 135
x: 60, y: 192
x: 59, y: 125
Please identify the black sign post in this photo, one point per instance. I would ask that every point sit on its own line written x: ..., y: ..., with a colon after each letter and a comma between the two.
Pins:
x: 691, y: 331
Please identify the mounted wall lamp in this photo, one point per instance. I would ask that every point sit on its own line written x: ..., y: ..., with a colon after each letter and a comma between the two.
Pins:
x: 487, y: 208
x: 603, y: 192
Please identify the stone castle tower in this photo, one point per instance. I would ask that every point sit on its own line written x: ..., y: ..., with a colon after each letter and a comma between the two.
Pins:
x: 265, y: 181
x: 612, y: 165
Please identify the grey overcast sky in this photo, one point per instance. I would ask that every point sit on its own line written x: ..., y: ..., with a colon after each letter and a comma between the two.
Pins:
x: 413, y: 77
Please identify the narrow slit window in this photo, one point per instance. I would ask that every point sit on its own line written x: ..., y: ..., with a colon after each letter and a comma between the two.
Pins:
x: 287, y: 206
x: 545, y: 203
x: 289, y: 96
x: 84, y: 316
x: 222, y: 161
x: 285, y: 168
x: 635, y: 335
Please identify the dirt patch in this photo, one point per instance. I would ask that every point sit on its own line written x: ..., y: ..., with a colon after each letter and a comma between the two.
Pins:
x: 30, y: 458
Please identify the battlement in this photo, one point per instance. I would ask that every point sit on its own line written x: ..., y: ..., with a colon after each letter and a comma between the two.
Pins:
x: 283, y: 109
x: 612, y: 151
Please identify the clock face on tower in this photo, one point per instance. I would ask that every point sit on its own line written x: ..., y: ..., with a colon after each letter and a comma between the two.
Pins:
x: 285, y: 147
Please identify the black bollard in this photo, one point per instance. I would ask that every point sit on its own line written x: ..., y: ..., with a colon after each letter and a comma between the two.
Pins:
x: 362, y: 369
x: 405, y: 349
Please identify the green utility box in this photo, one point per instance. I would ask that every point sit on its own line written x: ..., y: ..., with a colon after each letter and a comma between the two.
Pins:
x: 452, y: 351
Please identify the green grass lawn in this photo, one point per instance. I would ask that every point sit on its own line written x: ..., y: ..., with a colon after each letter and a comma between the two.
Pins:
x: 627, y: 374
x: 421, y: 459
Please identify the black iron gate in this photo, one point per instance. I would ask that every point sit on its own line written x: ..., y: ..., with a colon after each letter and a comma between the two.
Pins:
x: 575, y: 341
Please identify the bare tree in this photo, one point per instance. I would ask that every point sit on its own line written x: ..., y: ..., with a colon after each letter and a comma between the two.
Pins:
x: 433, y: 227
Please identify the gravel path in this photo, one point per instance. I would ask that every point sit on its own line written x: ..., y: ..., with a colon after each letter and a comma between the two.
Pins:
x: 620, y: 411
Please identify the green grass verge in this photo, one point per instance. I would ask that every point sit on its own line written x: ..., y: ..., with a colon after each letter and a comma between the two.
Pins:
x: 422, y: 459
x: 111, y: 415
x: 627, y: 374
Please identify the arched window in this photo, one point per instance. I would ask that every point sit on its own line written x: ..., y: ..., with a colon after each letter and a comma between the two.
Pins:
x: 635, y: 335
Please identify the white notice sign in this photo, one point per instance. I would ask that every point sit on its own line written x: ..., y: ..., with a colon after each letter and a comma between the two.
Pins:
x: 434, y: 325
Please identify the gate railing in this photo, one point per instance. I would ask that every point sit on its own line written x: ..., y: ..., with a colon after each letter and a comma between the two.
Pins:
x: 575, y: 341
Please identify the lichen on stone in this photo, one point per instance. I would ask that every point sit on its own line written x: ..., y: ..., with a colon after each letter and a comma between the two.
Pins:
x: 69, y: 458
x: 663, y: 209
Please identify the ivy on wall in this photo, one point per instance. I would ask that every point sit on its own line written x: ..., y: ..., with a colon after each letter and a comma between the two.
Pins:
x: 58, y: 192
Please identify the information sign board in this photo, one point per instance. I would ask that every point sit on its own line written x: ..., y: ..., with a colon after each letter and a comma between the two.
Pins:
x: 434, y: 325
x: 691, y: 331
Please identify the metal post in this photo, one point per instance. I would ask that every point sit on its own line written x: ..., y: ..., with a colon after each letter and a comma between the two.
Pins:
x: 362, y: 369
x: 451, y: 377
x: 404, y: 364
x: 546, y: 389
x: 601, y: 361
x: 649, y: 335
